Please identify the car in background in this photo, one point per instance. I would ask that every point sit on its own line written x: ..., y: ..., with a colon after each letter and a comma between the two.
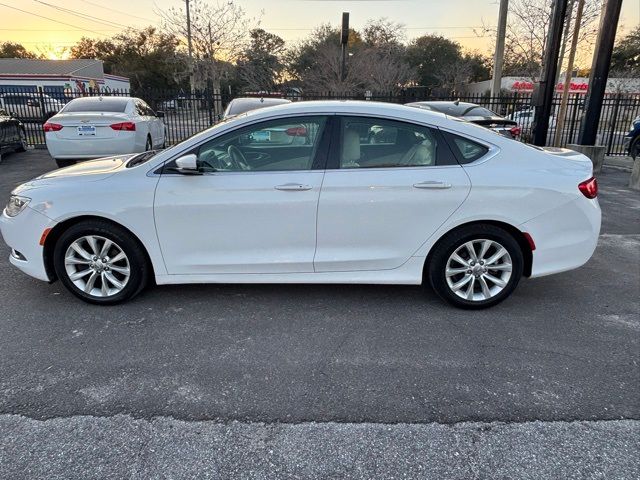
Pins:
x: 13, y: 137
x: 632, y: 139
x: 94, y: 127
x: 246, y: 104
x: 30, y: 107
x: 439, y: 201
x: 525, y: 117
x: 473, y: 113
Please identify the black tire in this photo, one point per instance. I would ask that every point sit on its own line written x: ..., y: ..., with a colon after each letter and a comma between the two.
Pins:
x: 634, y: 148
x: 139, y: 267
x: 22, y: 146
x: 64, y: 162
x: 442, y: 251
x: 148, y: 145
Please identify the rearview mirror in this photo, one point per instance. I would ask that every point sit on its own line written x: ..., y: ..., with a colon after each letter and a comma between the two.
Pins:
x: 188, y: 165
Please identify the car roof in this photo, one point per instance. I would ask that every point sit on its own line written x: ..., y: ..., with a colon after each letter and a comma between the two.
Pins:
x: 244, y: 104
x: 450, y: 108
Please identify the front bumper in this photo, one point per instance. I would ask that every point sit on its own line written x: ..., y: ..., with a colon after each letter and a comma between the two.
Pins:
x: 22, y: 234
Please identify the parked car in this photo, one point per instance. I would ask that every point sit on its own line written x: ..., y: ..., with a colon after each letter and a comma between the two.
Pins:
x: 94, y: 127
x: 246, y: 104
x: 13, y: 136
x: 475, y: 114
x: 632, y: 139
x: 525, y: 117
x: 446, y: 202
x: 30, y: 107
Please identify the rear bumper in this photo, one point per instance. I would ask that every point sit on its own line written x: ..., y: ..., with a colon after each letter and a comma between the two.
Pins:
x: 91, y: 148
x: 565, y: 237
x: 22, y: 234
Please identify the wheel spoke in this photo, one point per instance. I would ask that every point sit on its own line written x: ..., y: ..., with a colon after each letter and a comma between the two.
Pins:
x: 118, y: 257
x: 471, y: 287
x: 455, y: 271
x: 496, y: 256
x: 113, y: 280
x: 471, y: 250
x: 498, y: 281
x: 92, y: 279
x: 122, y: 270
x: 80, y: 274
x: 486, y: 244
x: 104, y: 289
x: 105, y: 248
x: 76, y: 261
x: 461, y: 283
x: 91, y: 240
x: 459, y: 259
x: 485, y: 288
x: 81, y: 251
x: 505, y: 267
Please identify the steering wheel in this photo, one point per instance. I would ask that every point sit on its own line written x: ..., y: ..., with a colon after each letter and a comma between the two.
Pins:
x: 238, y: 160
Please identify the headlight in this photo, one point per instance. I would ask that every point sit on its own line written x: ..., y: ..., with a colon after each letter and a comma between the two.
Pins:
x: 16, y: 205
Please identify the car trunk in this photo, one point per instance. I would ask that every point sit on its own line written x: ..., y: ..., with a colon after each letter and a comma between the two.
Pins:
x: 83, y: 126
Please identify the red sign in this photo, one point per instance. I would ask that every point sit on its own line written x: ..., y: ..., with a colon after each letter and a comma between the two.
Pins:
x: 528, y: 86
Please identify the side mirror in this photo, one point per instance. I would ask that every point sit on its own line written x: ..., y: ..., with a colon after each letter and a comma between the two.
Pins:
x: 188, y: 165
x: 160, y: 114
x: 13, y: 114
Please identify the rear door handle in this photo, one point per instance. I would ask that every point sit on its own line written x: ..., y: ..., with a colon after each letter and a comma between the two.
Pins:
x: 433, y: 184
x: 293, y: 187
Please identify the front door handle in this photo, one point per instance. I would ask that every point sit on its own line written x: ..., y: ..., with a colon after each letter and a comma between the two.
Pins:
x: 293, y: 187
x: 433, y: 184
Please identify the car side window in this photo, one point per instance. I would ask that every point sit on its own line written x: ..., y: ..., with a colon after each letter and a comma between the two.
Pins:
x: 380, y: 143
x: 140, y: 110
x: 276, y: 145
x: 467, y: 150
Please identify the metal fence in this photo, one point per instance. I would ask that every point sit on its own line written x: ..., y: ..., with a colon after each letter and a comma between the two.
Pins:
x: 186, y: 113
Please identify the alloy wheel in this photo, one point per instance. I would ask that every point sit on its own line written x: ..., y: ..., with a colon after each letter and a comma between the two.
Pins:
x: 478, y: 270
x: 97, y: 266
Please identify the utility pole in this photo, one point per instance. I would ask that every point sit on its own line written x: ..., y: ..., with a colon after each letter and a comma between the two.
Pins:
x: 544, y: 96
x: 498, y: 58
x: 562, y: 114
x: 344, y: 40
x: 599, y: 72
x: 189, y: 45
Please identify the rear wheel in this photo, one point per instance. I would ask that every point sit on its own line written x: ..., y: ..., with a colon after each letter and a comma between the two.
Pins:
x: 22, y: 143
x: 100, y: 262
x: 148, y: 146
x: 634, y: 149
x: 476, y: 266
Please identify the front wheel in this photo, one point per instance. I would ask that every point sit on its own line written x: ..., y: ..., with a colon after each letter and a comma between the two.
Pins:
x: 476, y: 266
x: 64, y: 162
x: 100, y: 262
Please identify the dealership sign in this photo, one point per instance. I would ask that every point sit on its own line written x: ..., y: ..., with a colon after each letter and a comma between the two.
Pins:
x: 525, y: 86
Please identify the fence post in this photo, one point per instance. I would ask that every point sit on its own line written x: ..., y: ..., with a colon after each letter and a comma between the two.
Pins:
x: 209, y: 94
x: 43, y: 110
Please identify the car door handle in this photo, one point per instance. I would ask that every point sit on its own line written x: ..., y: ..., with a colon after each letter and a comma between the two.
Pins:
x: 433, y: 184
x: 293, y: 187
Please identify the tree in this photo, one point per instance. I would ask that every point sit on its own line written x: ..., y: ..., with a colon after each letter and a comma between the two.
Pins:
x: 261, y: 65
x: 625, y: 60
x: 218, y: 34
x: 527, y: 31
x: 15, y: 50
x: 434, y: 59
x: 149, y: 58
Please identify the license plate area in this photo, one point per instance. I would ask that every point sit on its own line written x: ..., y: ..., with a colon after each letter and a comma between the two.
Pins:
x: 86, y: 131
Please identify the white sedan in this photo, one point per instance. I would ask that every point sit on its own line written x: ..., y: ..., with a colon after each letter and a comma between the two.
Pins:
x: 440, y: 201
x: 94, y: 127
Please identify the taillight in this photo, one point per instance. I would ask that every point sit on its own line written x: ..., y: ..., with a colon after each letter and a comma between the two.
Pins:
x: 589, y: 188
x: 126, y: 126
x: 515, y: 131
x: 52, y: 127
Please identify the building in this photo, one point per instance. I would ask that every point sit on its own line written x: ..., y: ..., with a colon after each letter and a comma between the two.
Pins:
x: 57, y: 76
x: 578, y: 85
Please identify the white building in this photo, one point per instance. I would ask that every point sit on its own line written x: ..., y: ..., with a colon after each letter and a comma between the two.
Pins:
x: 57, y: 76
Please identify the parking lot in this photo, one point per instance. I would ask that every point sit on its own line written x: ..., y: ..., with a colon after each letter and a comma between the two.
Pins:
x: 321, y: 381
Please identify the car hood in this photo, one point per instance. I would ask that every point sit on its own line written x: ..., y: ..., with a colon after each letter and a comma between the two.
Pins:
x: 89, y: 171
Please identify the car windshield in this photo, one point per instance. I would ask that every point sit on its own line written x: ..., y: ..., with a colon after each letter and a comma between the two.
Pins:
x: 100, y: 104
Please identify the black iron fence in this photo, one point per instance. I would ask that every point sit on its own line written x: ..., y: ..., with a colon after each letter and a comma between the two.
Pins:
x: 186, y: 113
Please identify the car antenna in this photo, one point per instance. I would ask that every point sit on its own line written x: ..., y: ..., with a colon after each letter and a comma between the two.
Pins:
x: 457, y: 102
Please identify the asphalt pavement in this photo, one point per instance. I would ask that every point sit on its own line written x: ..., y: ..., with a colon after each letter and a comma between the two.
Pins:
x: 311, y: 381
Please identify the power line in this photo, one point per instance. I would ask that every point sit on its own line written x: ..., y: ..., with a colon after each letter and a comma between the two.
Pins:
x: 82, y: 15
x: 116, y: 11
x: 51, y: 19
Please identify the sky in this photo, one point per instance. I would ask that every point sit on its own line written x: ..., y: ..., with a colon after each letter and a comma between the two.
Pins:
x: 464, y: 21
